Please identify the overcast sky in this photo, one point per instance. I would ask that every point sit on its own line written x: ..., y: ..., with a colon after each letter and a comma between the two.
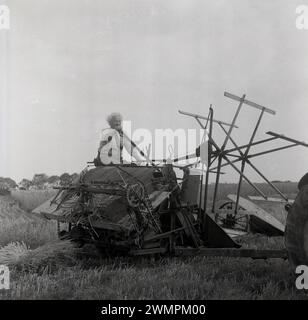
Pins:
x: 65, y: 65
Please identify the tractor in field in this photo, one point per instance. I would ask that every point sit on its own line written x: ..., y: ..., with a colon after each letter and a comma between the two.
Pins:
x: 130, y: 209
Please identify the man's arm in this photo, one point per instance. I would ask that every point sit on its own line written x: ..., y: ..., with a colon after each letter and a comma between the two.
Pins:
x: 106, y: 136
x: 131, y: 148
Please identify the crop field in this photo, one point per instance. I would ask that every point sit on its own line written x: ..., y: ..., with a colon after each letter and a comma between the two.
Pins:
x: 44, y: 268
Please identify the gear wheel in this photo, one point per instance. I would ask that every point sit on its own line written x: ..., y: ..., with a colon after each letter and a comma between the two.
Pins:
x: 135, y: 194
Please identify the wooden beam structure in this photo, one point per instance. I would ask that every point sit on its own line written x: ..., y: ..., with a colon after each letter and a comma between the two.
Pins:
x: 231, y: 252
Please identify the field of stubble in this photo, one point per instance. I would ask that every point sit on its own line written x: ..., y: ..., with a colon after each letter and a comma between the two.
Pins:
x: 43, y: 268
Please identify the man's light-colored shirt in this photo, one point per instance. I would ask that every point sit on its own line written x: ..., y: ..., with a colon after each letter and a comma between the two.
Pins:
x: 111, y: 146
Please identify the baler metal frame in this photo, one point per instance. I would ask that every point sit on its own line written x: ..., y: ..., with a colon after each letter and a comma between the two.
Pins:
x: 207, y: 238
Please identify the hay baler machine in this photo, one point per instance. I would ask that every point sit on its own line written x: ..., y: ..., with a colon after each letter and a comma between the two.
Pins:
x: 146, y: 210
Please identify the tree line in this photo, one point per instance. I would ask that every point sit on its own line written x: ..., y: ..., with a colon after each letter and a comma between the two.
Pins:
x: 39, y: 181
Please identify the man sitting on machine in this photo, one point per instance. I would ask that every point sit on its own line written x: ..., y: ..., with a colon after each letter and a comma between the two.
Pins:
x: 112, y: 141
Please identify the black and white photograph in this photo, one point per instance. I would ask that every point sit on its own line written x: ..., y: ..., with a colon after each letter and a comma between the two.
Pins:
x: 153, y: 150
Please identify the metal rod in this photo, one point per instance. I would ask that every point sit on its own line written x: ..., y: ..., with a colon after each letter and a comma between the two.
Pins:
x: 216, y: 182
x: 198, y: 120
x: 228, y: 163
x: 186, y: 157
x: 233, y: 122
x: 239, y: 159
x: 220, y: 156
x: 254, y: 132
x: 213, y: 160
x: 234, y: 155
x: 210, y: 141
x: 138, y: 149
x: 200, y: 214
x: 272, y: 150
x: 205, y: 118
x: 238, y: 191
x: 270, y: 183
x: 207, y: 171
x: 236, y: 169
x: 253, y: 144
x: 241, y: 155
x: 245, y: 158
x: 211, y: 171
x: 200, y: 217
x: 233, y: 142
x: 258, y: 154
x: 249, y: 103
x: 165, y: 234
x: 242, y: 169
x: 281, y: 136
x: 232, y: 252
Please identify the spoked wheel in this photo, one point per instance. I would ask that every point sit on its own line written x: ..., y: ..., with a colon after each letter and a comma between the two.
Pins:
x: 135, y: 194
x: 296, y: 233
x: 228, y: 205
x: 230, y: 220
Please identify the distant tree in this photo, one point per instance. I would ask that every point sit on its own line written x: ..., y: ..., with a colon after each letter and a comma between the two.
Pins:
x: 74, y: 176
x: 8, y: 182
x: 25, y: 184
x: 65, y: 179
x: 53, y: 179
x: 39, y: 178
